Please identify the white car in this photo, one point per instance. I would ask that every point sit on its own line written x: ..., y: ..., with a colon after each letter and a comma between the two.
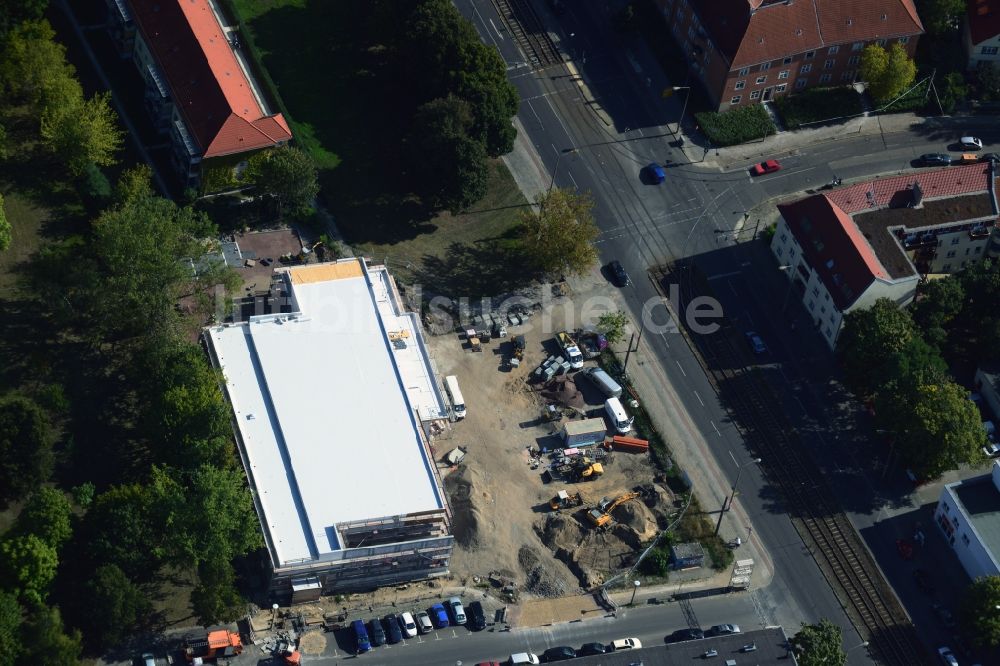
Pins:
x: 424, y: 623
x: 947, y: 656
x: 971, y: 143
x: 457, y: 612
x: 626, y: 644
x: 407, y: 624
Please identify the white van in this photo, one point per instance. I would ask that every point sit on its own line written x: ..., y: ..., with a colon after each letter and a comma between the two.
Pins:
x: 455, y: 395
x: 603, y: 382
x: 620, y: 420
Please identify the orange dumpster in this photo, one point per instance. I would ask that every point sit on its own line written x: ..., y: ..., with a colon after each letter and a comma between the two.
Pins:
x: 630, y: 444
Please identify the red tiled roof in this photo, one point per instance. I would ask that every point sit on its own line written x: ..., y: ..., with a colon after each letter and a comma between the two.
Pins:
x: 984, y: 19
x: 946, y: 182
x: 206, y: 82
x: 834, y: 247
x: 755, y: 31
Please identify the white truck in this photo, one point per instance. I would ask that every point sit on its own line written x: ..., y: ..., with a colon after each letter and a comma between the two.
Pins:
x: 571, y: 351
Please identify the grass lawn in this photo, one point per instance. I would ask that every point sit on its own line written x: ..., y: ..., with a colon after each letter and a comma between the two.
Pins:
x: 818, y: 105
x: 26, y: 220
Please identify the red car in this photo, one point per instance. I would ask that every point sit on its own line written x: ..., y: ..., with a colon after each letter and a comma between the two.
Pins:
x: 768, y: 166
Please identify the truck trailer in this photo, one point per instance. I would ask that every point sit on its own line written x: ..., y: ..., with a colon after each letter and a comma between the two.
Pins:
x: 584, y: 433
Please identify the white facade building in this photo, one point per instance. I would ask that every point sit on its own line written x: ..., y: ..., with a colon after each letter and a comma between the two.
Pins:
x: 968, y: 516
x: 981, y: 33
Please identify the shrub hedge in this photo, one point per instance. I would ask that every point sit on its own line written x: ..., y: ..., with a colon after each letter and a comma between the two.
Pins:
x: 735, y: 126
x: 818, y: 104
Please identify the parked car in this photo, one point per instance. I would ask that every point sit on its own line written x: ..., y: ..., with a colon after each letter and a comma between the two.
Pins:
x: 477, y: 618
x: 756, y: 342
x: 522, y: 658
x: 588, y: 649
x: 626, y: 644
x: 407, y: 624
x: 361, y: 641
x: 424, y: 624
x: 723, y: 630
x: 682, y: 635
x: 618, y: 274
x: 935, y: 159
x: 765, y: 167
x: 376, y: 634
x: 947, y: 656
x: 562, y: 653
x: 439, y: 616
x: 971, y: 143
x: 992, y: 449
x: 148, y: 659
x: 990, y: 157
x: 457, y: 612
x: 656, y: 172
x: 394, y: 633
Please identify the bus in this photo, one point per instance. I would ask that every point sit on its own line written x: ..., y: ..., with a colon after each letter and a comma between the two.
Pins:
x: 455, y: 395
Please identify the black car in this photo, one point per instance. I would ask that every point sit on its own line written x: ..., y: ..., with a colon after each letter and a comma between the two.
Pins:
x: 395, y: 634
x: 990, y: 157
x: 618, y: 273
x: 375, y: 632
x: 935, y: 159
x: 682, y: 635
x: 588, y: 649
x: 558, y: 654
x: 475, y: 617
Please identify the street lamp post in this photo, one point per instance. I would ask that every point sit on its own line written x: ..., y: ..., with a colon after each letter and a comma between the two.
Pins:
x: 726, y: 506
x: 635, y: 588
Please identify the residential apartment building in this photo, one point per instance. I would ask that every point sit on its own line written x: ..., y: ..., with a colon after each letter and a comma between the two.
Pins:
x: 981, y: 33
x: 968, y: 517
x: 749, y: 51
x: 844, y: 249
x: 200, y: 90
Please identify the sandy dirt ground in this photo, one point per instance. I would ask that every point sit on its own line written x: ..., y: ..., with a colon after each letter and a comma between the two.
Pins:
x: 502, y: 521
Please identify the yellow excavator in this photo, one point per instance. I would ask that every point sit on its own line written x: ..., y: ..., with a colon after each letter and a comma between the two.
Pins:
x: 601, y: 516
x: 565, y: 501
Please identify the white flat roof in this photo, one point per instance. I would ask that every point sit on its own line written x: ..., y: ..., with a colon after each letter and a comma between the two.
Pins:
x: 328, y: 430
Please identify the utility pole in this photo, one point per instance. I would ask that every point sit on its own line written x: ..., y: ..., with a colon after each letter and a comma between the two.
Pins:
x: 630, y: 349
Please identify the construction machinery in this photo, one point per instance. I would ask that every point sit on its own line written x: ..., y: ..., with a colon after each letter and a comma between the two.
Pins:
x: 601, y: 516
x: 588, y: 470
x: 563, y: 500
x: 211, y: 645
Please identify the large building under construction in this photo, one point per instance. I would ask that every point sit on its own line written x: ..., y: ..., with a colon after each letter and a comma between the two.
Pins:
x: 333, y: 399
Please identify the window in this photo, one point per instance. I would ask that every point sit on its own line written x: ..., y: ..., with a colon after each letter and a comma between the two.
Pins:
x: 826, y: 331
x: 822, y: 310
x: 829, y: 64
x: 833, y: 50
x: 989, y: 50
x: 881, y: 42
x: 810, y: 55
x: 977, y: 249
x: 955, y: 240
x: 826, y: 295
x: 950, y: 255
x: 784, y: 238
x: 946, y: 268
x: 787, y: 60
x: 783, y: 74
x: 812, y: 306
x: 766, y: 66
x: 904, y: 40
x: 857, y: 46
x: 815, y: 291
x: 847, y: 76
x: 833, y: 317
x: 740, y: 85
x: 761, y: 79
x: 801, y: 83
x: 736, y: 100
x: 780, y: 252
x: 755, y: 94
x: 853, y: 60
x: 805, y: 69
x: 967, y: 250
x: 744, y: 71
x: 780, y: 88
x: 965, y: 539
x: 825, y: 78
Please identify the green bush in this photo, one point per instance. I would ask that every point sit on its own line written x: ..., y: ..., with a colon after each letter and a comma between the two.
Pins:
x: 915, y: 100
x: 817, y: 105
x: 736, y: 126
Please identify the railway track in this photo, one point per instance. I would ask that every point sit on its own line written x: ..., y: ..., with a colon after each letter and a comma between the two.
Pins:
x: 527, y: 30
x: 834, y: 543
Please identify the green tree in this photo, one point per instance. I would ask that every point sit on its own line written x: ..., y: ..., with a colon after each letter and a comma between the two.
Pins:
x: 978, y: 613
x: 938, y: 303
x: 612, y: 325
x: 870, y: 340
x: 117, y: 606
x: 215, y: 598
x: 13, y: 12
x: 25, y: 446
x: 453, y: 168
x: 5, y: 231
x: 83, y: 494
x: 888, y: 73
x: 28, y: 566
x: 134, y: 186
x: 916, y: 364
x: 83, y: 134
x: 33, y: 67
x: 557, y: 235
x: 937, y: 427
x: 46, y: 641
x: 819, y: 644
x: 941, y: 16
x: 4, y: 153
x: 48, y: 516
x: 120, y: 529
x: 11, y: 617
x: 988, y: 78
x: 288, y: 174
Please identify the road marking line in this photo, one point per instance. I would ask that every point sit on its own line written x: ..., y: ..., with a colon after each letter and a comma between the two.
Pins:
x: 680, y: 368
x: 716, y: 428
x: 495, y: 29
x: 568, y: 173
x: 733, y: 457
x: 724, y: 275
x: 699, y: 398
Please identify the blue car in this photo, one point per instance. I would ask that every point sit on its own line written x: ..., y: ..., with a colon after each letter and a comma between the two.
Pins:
x: 361, y: 636
x: 440, y: 616
x: 656, y: 173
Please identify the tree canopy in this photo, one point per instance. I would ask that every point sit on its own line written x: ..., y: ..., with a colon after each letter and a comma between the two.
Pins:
x: 978, y: 611
x: 869, y: 341
x: 10, y: 629
x: 46, y: 640
x: 83, y: 132
x: 25, y: 446
x: 612, y: 325
x: 286, y: 173
x: 887, y: 72
x: 28, y: 567
x: 117, y: 606
x: 47, y: 515
x: 819, y: 644
x: 120, y: 530
x: 941, y: 16
x: 5, y: 231
x: 558, y: 234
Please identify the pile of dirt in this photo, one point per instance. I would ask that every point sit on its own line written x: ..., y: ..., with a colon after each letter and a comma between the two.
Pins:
x: 465, y: 516
x: 538, y: 579
x: 637, y: 517
x: 563, y: 391
x: 560, y: 530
